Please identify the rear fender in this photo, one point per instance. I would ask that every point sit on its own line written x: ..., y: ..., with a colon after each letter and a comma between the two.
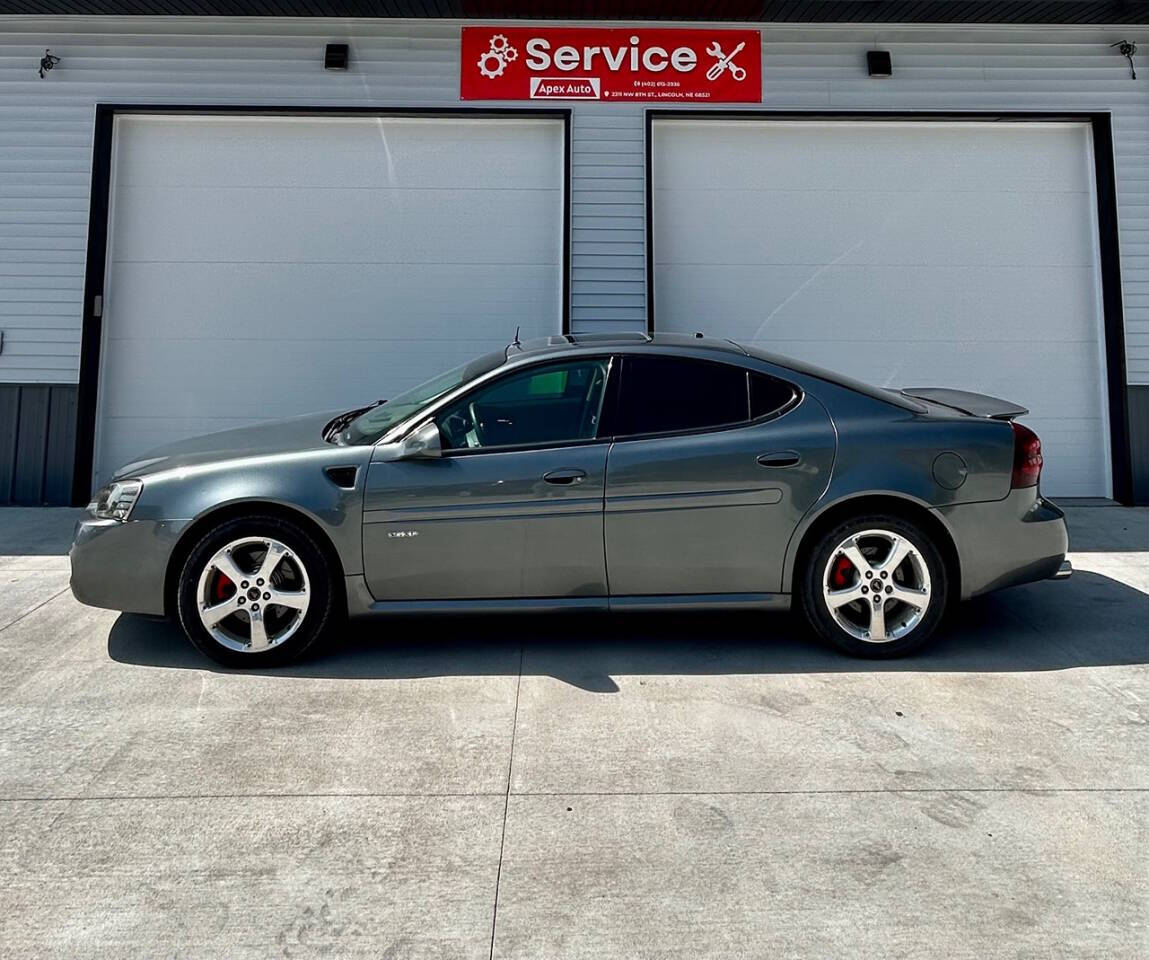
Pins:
x: 894, y: 455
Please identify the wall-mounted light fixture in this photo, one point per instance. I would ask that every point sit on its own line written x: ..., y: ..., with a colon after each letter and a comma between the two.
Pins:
x: 47, y: 62
x: 336, y: 56
x: 1127, y: 48
x: 879, y: 63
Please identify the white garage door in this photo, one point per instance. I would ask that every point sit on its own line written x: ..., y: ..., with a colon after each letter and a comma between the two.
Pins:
x: 905, y: 254
x: 267, y: 266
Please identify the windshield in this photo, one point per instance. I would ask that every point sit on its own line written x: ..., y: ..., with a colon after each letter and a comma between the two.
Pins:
x: 369, y: 427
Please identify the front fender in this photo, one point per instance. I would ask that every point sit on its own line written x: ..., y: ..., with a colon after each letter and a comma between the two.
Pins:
x: 294, y: 481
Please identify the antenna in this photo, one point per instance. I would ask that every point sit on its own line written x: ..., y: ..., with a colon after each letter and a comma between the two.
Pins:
x: 514, y: 343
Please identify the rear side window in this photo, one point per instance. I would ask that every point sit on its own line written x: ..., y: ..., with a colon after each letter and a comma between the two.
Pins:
x: 668, y: 394
x: 769, y: 396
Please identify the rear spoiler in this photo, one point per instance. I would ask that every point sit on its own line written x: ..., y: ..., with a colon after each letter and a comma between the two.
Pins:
x: 975, y: 404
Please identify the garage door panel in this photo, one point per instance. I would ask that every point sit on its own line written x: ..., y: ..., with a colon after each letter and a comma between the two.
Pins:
x: 341, y: 226
x: 782, y: 302
x: 267, y: 267
x: 804, y: 156
x: 920, y: 253
x: 951, y: 363
x: 351, y: 153
x: 325, y: 374
x: 385, y: 302
x: 875, y: 227
x: 124, y: 439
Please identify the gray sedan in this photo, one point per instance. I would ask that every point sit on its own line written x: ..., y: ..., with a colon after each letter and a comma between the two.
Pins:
x: 603, y: 473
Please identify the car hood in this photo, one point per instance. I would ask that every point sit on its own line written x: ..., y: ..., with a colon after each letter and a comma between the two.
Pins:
x: 293, y: 435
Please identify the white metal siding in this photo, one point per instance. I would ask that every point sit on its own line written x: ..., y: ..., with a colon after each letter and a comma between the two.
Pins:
x: 46, y: 130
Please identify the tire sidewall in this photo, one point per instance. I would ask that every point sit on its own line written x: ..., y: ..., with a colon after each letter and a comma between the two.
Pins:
x: 319, y: 580
x: 818, y: 613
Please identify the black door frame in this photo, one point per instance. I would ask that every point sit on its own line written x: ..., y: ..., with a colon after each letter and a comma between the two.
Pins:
x: 100, y: 203
x: 1108, y: 240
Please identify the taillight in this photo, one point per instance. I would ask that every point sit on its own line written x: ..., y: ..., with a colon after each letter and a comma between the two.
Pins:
x: 1026, y: 457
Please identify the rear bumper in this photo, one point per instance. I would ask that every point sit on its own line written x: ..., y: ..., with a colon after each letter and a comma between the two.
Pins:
x: 122, y: 566
x: 1001, y: 544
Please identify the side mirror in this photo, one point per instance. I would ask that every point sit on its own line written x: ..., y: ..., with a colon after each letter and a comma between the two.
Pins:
x: 422, y: 443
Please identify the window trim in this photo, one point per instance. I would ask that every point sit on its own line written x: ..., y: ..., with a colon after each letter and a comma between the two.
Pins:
x: 610, y: 358
x: 795, y: 400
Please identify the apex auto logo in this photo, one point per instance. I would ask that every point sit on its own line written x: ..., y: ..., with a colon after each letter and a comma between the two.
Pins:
x: 494, y: 62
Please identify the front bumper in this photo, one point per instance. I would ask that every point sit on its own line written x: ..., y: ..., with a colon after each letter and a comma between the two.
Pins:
x: 1006, y: 542
x: 123, y: 565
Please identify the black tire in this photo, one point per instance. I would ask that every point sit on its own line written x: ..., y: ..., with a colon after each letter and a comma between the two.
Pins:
x: 817, y: 573
x: 321, y: 588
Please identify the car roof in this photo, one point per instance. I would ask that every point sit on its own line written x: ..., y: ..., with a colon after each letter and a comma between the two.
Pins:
x: 536, y: 349
x: 530, y: 349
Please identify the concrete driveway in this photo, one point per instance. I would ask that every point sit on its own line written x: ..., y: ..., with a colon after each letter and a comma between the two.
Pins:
x: 590, y: 787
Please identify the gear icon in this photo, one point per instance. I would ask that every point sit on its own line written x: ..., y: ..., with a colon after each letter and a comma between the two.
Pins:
x: 492, y: 64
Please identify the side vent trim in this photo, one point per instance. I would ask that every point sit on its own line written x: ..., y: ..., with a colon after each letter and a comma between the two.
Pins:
x: 342, y: 476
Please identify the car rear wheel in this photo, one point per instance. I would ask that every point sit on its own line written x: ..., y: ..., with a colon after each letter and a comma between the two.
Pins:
x: 255, y: 592
x: 875, y: 586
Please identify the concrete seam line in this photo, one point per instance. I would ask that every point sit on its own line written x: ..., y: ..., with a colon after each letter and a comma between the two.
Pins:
x: 28, y: 613
x: 506, y: 802
x: 825, y: 792
x: 151, y: 797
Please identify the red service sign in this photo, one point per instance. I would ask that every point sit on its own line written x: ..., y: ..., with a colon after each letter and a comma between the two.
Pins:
x: 592, y: 63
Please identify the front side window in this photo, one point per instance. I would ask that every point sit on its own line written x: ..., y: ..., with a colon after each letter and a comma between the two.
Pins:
x: 671, y: 394
x: 541, y: 406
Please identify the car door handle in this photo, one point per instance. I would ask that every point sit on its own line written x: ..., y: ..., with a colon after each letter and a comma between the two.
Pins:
x: 782, y: 458
x: 565, y: 477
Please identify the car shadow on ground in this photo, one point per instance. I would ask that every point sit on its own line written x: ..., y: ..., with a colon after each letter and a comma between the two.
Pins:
x: 1090, y: 620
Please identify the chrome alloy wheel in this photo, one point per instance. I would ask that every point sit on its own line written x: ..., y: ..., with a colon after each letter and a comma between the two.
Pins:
x: 877, y: 586
x: 253, y: 594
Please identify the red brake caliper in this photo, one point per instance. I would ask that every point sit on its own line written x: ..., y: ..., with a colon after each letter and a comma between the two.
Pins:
x: 224, y: 588
x: 841, y: 576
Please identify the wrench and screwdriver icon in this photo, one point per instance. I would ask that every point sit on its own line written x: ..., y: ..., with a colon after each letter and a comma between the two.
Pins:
x: 724, y: 62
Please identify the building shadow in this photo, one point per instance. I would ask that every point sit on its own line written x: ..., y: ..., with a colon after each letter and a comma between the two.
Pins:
x: 1110, y: 529
x: 37, y: 531
x: 1088, y: 621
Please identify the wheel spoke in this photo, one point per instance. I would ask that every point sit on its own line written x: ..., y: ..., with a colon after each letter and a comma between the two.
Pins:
x: 224, y: 563
x: 220, y: 611
x: 295, y: 599
x: 899, y: 550
x: 259, y: 639
x: 878, y: 621
x: 275, y: 553
x: 854, y: 555
x: 918, y: 599
x: 839, y: 598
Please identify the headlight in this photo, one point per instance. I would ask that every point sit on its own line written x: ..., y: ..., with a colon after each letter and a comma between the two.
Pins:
x: 115, y: 501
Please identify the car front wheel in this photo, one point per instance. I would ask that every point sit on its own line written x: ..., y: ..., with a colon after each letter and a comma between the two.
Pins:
x: 875, y: 586
x: 255, y: 592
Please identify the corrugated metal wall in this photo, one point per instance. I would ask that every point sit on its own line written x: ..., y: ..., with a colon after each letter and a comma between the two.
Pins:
x: 37, y: 441
x: 46, y: 131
